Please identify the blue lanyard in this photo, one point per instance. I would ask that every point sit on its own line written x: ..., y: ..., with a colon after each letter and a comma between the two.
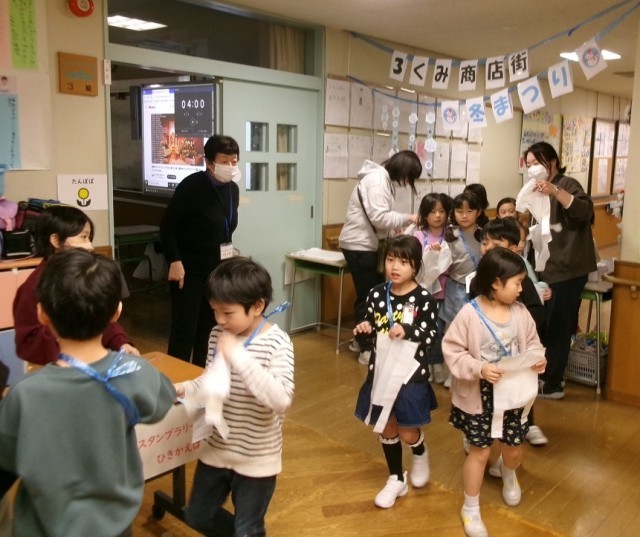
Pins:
x: 476, y: 307
x: 473, y: 257
x: 389, y: 310
x: 115, y: 370
x: 227, y: 221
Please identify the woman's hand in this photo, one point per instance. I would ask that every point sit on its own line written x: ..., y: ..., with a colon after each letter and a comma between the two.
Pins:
x: 545, y: 187
x: 491, y: 373
x: 540, y: 366
x: 176, y: 273
x: 363, y: 328
x: 396, y: 332
x: 545, y: 294
x: 130, y: 349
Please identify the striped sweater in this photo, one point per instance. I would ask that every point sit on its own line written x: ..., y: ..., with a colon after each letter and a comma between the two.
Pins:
x: 261, y: 391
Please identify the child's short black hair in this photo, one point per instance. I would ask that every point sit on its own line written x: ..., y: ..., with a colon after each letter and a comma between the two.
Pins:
x: 480, y: 191
x: 406, y: 247
x: 61, y: 220
x: 239, y: 280
x: 428, y: 204
x: 497, y: 264
x: 220, y: 144
x: 502, y: 229
x: 80, y: 292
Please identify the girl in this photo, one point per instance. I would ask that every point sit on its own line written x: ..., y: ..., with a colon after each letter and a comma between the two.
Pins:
x: 481, y: 193
x: 464, y: 243
x: 58, y: 228
x: 432, y: 219
x: 400, y: 309
x: 506, y: 208
x: 493, y: 326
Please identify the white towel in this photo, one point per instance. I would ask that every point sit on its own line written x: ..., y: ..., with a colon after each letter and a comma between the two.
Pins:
x: 539, y: 206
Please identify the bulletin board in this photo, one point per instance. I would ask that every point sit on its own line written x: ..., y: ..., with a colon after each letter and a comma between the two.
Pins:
x: 539, y: 127
x: 576, y: 143
x: 25, y: 88
x: 602, y: 149
x: 621, y: 154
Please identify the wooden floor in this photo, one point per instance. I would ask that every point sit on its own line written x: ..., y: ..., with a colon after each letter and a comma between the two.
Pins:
x: 584, y: 483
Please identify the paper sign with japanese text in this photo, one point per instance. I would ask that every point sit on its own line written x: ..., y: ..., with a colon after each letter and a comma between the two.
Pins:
x: 88, y: 192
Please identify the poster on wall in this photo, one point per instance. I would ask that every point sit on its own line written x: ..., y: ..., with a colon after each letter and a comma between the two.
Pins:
x: 88, y: 191
x: 539, y: 127
x: 576, y: 143
x: 336, y: 109
x: 601, y: 175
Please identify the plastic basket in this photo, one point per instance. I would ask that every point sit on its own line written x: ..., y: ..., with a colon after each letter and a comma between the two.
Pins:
x: 582, y: 364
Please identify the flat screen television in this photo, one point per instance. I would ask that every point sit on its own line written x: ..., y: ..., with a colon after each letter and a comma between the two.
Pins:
x: 177, y: 120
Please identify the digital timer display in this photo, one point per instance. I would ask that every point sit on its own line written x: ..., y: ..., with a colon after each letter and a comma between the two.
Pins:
x: 193, y: 107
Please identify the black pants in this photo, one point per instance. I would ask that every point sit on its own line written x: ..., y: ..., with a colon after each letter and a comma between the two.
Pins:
x: 191, y: 320
x: 364, y: 272
x: 562, y: 316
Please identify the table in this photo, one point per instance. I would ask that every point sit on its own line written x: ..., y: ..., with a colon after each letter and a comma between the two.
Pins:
x: 130, y: 235
x: 331, y: 265
x: 597, y: 292
x: 178, y: 371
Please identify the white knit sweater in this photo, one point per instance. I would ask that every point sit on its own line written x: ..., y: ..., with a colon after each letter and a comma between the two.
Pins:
x: 261, y: 391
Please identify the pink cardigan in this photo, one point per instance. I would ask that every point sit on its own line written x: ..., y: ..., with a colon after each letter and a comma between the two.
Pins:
x: 461, y: 350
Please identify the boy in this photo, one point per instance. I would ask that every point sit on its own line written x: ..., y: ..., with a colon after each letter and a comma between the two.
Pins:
x: 68, y: 429
x: 244, y: 456
x: 505, y: 233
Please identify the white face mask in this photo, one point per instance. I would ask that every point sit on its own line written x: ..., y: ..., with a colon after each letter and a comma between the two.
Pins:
x: 225, y: 174
x: 538, y: 172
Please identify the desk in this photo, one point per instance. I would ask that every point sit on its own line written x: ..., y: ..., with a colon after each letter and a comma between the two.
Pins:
x: 130, y: 235
x: 178, y: 371
x: 596, y: 292
x: 331, y: 266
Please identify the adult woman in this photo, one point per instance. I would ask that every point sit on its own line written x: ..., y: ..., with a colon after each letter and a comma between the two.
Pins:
x: 196, y: 234
x: 370, y: 217
x: 571, y: 257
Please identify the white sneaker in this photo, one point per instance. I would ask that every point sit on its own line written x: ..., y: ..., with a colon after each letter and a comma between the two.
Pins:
x: 536, y: 437
x: 354, y: 346
x: 364, y: 357
x: 447, y: 382
x: 473, y: 525
x: 495, y: 470
x: 511, y: 492
x: 392, y: 490
x: 420, y: 472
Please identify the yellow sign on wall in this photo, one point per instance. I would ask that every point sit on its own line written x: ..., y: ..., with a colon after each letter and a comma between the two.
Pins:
x: 78, y: 74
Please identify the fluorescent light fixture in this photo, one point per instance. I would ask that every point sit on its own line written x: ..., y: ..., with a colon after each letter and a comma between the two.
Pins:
x: 606, y: 54
x: 118, y: 21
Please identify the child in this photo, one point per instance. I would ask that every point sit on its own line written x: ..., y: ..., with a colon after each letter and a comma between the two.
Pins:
x: 402, y: 310
x: 68, y: 430
x: 481, y: 193
x: 58, y: 228
x: 505, y: 233
x: 464, y: 243
x: 432, y: 220
x: 245, y: 459
x: 542, y: 288
x: 506, y: 208
x: 492, y: 327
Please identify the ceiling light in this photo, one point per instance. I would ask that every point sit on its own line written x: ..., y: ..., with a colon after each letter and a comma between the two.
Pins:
x: 606, y: 54
x: 118, y: 21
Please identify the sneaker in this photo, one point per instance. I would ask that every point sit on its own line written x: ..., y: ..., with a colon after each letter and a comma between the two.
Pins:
x: 364, y: 357
x: 392, y: 490
x: 473, y: 525
x: 536, y: 437
x: 419, y: 474
x: 511, y: 493
x: 354, y: 346
x: 447, y: 382
x: 559, y: 394
x: 495, y: 470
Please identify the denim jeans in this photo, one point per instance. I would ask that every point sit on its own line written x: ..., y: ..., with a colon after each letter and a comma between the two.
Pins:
x: 250, y: 496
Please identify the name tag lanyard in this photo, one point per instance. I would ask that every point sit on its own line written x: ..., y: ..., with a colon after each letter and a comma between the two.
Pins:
x: 484, y: 319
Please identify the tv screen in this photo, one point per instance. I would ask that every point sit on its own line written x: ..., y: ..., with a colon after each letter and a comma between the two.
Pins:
x: 177, y: 120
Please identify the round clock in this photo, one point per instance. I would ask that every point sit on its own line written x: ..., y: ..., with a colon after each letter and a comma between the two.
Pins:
x: 81, y: 8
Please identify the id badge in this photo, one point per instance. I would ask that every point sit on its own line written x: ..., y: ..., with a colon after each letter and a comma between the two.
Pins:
x: 407, y: 313
x: 226, y: 250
